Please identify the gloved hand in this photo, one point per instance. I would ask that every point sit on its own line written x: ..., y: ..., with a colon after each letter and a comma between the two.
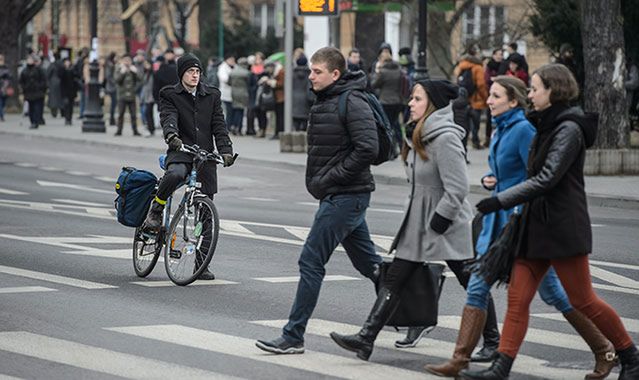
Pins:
x: 488, y: 205
x: 440, y: 224
x: 228, y: 159
x: 175, y: 143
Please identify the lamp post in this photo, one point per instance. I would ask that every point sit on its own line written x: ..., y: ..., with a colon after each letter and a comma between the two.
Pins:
x: 421, y: 72
x: 93, y: 113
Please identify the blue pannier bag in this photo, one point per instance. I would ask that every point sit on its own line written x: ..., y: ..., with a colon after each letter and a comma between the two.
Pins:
x: 135, y: 189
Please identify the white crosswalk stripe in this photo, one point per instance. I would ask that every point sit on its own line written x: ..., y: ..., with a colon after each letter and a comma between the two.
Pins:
x: 25, y: 289
x: 295, y: 279
x: 12, y: 192
x: 69, y: 281
x: 161, y: 284
x: 317, y: 362
x: 632, y: 325
x: 98, y: 359
x: 430, y: 347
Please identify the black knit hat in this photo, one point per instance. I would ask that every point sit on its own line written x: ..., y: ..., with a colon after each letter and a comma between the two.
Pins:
x: 187, y: 61
x: 440, y: 92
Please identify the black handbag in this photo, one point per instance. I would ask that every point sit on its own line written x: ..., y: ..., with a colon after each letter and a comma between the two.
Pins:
x: 495, y: 266
x: 419, y: 299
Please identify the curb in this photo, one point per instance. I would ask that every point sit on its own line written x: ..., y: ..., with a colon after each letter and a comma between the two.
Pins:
x: 596, y: 200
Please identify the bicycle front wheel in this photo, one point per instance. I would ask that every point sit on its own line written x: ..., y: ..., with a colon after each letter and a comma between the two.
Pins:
x: 146, y: 251
x: 191, y: 241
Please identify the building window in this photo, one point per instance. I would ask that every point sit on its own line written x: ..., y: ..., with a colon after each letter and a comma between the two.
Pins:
x: 484, y: 24
x: 263, y: 17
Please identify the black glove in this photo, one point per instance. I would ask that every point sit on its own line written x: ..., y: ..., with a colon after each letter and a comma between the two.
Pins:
x: 488, y: 205
x: 440, y: 224
x: 229, y: 159
x: 174, y: 142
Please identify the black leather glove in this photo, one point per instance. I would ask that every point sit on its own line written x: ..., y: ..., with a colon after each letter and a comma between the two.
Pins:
x: 488, y: 205
x: 175, y: 143
x: 440, y: 224
x: 229, y: 159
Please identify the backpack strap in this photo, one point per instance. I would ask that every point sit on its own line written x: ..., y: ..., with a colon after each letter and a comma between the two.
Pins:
x: 341, y: 106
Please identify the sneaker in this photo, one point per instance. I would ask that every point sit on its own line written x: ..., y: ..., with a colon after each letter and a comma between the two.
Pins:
x: 280, y: 346
x: 413, y: 336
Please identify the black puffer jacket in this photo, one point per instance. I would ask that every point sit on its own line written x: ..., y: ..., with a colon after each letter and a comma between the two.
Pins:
x: 196, y: 120
x: 33, y: 81
x: 555, y: 220
x: 339, y: 156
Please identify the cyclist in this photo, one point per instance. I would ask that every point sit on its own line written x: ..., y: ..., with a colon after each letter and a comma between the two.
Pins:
x: 190, y: 113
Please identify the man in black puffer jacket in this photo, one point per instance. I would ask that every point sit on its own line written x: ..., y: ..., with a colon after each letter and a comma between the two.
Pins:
x: 338, y: 174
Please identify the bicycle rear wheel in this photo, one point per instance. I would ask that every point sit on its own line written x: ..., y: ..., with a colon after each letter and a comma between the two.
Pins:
x: 191, y: 242
x: 146, y: 251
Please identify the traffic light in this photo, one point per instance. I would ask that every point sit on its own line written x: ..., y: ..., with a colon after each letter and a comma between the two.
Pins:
x: 317, y: 7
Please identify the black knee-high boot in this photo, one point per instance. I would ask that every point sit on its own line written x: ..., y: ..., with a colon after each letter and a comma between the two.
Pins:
x: 499, y: 370
x: 362, y: 342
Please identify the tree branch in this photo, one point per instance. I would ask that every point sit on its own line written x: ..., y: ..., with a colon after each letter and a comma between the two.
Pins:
x: 458, y: 14
x: 28, y: 11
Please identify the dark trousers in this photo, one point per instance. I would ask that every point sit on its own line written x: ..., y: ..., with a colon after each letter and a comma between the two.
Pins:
x: 339, y: 219
x: 3, y: 100
x: 114, y: 104
x: 36, y: 109
x: 67, y: 110
x: 279, y: 118
x: 299, y: 124
x: 228, y: 114
x: 255, y: 112
x: 489, y: 127
x: 237, y: 117
x: 150, y: 122
x: 392, y: 113
x: 122, y: 106
x: 474, y: 120
x: 174, y: 176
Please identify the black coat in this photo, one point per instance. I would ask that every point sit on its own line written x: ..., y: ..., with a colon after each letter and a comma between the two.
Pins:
x: 165, y: 76
x: 555, y: 220
x: 339, y: 156
x: 303, y: 96
x: 196, y: 120
x: 33, y: 81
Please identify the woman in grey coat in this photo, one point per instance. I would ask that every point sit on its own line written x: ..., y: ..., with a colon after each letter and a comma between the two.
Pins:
x: 437, y: 220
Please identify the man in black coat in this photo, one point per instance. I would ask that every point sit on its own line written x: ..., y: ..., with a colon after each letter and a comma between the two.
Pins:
x: 33, y: 81
x: 190, y: 113
x: 166, y: 74
x: 338, y: 175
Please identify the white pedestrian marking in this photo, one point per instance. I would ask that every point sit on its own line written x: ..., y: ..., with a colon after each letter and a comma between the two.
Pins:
x: 617, y: 289
x: 104, y: 253
x: 613, y: 265
x: 49, y: 207
x: 25, y: 164
x: 7, y: 377
x: 429, y: 347
x: 50, y: 169
x: 68, y: 242
x: 632, y: 325
x: 75, y: 187
x: 276, y: 280
x: 236, y: 227
x: 163, y: 284
x: 106, y: 179
x: 97, y: 359
x: 82, y: 203
x: 69, y: 281
x: 78, y: 173
x: 317, y: 362
x: 26, y: 289
x: 614, y: 278
x: 12, y: 192
x: 261, y: 199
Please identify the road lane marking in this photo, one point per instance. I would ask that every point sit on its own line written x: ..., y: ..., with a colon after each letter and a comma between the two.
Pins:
x: 260, y: 199
x: 317, y: 362
x: 617, y: 289
x: 25, y: 164
x: 632, y: 325
x: 82, y: 203
x: 26, y: 289
x: 162, y: 284
x: 50, y: 169
x: 614, y: 265
x: 69, y: 281
x: 67, y: 242
x: 614, y: 278
x: 278, y: 280
x: 78, y: 173
x: 74, y: 187
x: 428, y: 347
x: 12, y: 192
x: 106, y: 179
x: 97, y: 359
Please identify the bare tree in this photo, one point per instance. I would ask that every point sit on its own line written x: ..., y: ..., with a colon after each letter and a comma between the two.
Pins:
x: 604, y: 64
x: 14, y: 17
x: 183, y: 9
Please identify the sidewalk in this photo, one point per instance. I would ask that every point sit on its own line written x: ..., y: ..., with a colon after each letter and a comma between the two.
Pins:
x: 617, y: 191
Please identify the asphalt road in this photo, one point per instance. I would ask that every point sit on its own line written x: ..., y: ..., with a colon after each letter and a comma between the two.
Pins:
x: 72, y: 307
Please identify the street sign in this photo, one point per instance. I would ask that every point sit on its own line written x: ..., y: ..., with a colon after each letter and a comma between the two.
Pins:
x: 317, y: 7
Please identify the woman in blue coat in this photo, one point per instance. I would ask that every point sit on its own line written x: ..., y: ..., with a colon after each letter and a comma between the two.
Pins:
x: 507, y: 160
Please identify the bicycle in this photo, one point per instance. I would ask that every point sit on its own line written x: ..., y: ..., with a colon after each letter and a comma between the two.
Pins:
x: 189, y: 238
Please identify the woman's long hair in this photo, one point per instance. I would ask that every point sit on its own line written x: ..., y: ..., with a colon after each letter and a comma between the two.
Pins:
x: 418, y: 144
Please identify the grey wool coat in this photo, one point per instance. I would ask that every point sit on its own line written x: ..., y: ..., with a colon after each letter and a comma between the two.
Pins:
x: 438, y: 184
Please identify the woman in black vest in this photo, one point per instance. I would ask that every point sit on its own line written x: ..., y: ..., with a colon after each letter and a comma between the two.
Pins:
x: 555, y: 225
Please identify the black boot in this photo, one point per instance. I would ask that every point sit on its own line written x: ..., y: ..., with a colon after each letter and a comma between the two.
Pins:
x: 629, y: 363
x: 488, y: 353
x: 362, y: 342
x: 499, y: 370
x: 413, y: 336
x: 153, y: 219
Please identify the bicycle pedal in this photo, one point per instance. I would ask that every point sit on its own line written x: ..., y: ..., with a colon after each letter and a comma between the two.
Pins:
x: 174, y: 254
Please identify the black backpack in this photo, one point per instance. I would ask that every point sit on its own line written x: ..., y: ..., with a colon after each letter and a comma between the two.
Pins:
x: 465, y: 80
x: 135, y: 189
x: 386, y: 141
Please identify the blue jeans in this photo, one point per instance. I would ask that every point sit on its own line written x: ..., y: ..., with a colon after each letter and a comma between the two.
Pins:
x: 228, y: 114
x: 339, y: 219
x: 550, y: 291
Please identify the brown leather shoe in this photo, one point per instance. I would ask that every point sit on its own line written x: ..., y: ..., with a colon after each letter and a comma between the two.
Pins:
x: 470, y: 329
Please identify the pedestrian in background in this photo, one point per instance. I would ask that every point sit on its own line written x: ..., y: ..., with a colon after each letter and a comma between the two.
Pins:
x: 239, y: 82
x: 78, y: 70
x: 68, y: 89
x: 146, y: 96
x: 386, y: 80
x: 254, y: 111
x: 303, y: 96
x: 491, y: 71
x: 338, y: 175
x: 33, y: 81
x: 211, y: 72
x: 516, y: 68
x: 354, y: 60
x: 127, y: 80
x: 54, y: 100
x: 166, y: 75
x: 555, y: 227
x: 436, y: 222
x: 223, y: 75
x: 109, y: 85
x: 472, y: 63
x: 5, y: 85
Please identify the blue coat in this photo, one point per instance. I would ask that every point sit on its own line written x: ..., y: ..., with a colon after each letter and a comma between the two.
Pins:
x: 507, y: 160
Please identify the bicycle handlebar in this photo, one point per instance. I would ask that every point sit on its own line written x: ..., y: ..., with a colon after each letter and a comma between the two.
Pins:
x: 203, y: 154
